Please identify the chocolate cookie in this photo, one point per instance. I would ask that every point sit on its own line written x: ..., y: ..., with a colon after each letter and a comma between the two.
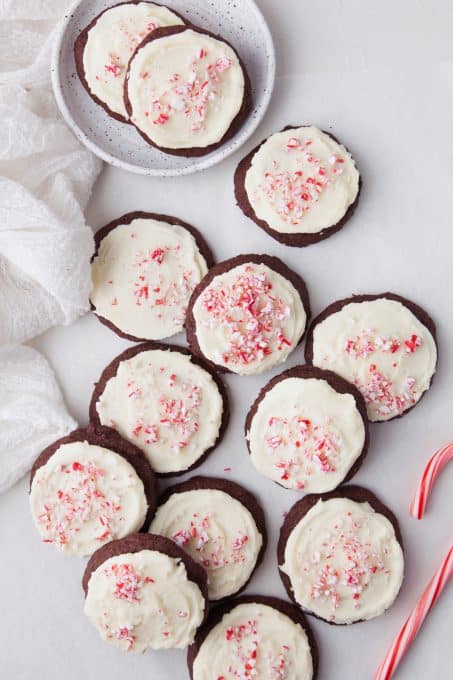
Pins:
x: 299, y: 185
x: 197, y: 102
x: 144, y: 592
x: 308, y: 430
x: 144, y: 269
x: 90, y: 487
x: 247, y: 314
x: 340, y: 555
x: 256, y: 629
x: 384, y: 344
x: 220, y: 524
x: 166, y: 401
x: 103, y: 49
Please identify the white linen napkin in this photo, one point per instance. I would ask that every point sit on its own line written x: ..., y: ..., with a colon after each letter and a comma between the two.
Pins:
x: 32, y: 411
x: 46, y: 178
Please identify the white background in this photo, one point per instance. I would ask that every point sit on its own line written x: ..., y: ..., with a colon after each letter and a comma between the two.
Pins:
x: 380, y: 76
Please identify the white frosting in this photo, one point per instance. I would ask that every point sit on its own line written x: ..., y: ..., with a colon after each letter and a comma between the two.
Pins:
x: 111, y: 43
x: 249, y: 319
x: 254, y: 640
x: 144, y: 600
x: 344, y: 561
x: 143, y: 276
x: 164, y: 404
x: 383, y: 349
x: 217, y: 531
x: 84, y: 496
x: 301, y: 181
x: 305, y: 435
x: 185, y: 90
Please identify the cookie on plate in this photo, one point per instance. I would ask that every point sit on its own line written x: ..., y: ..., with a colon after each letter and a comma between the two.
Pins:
x: 166, y: 402
x: 144, y: 592
x: 340, y: 555
x: 144, y: 270
x: 247, y: 314
x: 254, y: 636
x: 103, y: 49
x: 308, y: 430
x: 384, y: 344
x: 300, y: 185
x: 186, y: 91
x: 90, y: 487
x: 220, y: 525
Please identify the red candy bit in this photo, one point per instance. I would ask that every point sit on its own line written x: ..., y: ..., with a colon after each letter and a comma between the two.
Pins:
x: 137, y: 429
x: 125, y: 633
x: 161, y: 119
x: 412, y: 344
x: 158, y: 255
x: 223, y: 64
x: 114, y: 69
x: 293, y: 143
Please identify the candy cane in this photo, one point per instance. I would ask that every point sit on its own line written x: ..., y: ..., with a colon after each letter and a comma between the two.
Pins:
x: 432, y: 471
x: 416, y: 618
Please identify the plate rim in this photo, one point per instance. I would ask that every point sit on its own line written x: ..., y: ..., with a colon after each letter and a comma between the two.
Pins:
x: 201, y: 163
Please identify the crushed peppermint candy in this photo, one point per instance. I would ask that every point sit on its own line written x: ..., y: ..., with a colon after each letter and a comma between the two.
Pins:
x: 161, y: 282
x: 292, y: 193
x: 245, y: 650
x: 343, y: 566
x: 127, y: 581
x: 379, y: 389
x: 172, y: 416
x: 368, y: 342
x: 79, y: 502
x: 300, y: 447
x: 191, y: 96
x: 252, y: 317
x: 201, y: 538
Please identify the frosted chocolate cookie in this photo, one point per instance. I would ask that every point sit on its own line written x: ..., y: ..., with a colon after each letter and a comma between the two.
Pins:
x: 300, y: 185
x: 103, y: 49
x: 340, y: 555
x: 89, y: 488
x: 247, y: 314
x: 143, y: 592
x: 186, y: 90
x: 144, y: 270
x: 166, y: 402
x: 254, y: 636
x: 384, y: 344
x: 220, y: 525
x: 308, y: 430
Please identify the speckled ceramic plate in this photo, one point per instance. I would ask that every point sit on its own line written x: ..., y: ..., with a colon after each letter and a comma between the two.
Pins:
x: 238, y: 21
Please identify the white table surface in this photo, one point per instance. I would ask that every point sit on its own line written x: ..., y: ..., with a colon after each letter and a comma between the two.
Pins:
x: 380, y: 76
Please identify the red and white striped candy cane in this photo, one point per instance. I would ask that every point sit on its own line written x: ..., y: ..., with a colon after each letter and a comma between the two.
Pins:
x: 416, y: 618
x: 433, y: 469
